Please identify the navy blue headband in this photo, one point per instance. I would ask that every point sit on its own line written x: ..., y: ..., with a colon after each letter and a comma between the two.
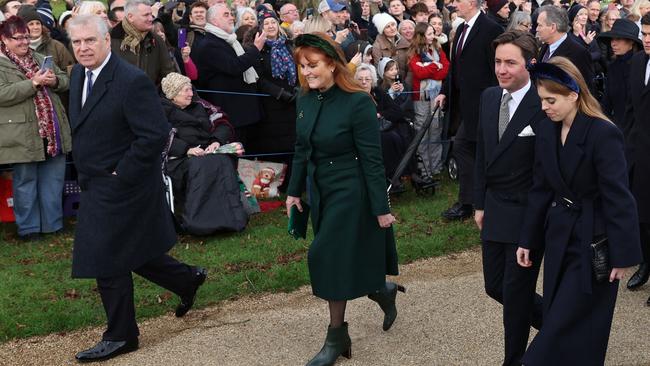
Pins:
x: 544, y: 70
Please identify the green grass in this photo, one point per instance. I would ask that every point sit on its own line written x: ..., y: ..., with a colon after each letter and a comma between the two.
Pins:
x: 37, y: 295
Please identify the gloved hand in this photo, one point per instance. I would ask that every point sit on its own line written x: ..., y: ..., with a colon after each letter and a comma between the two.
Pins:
x: 286, y: 96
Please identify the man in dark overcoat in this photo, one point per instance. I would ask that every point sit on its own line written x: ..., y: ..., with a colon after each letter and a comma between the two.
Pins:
x: 552, y: 28
x: 119, y: 131
x: 227, y: 68
x: 509, y: 115
x: 638, y: 125
x: 472, y: 71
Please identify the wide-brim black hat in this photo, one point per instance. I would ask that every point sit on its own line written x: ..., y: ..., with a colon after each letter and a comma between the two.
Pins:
x: 623, y: 28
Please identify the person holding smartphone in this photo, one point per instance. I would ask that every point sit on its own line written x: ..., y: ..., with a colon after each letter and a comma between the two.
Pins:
x: 34, y: 132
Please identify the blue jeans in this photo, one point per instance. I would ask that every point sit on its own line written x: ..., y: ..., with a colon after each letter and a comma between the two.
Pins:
x: 38, y: 195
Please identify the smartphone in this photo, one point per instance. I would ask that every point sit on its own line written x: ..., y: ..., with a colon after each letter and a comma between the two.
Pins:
x: 182, y: 38
x: 309, y: 13
x: 347, y: 23
x: 397, y: 79
x: 48, y: 64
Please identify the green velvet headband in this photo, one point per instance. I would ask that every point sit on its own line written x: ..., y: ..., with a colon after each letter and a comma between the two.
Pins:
x: 312, y: 40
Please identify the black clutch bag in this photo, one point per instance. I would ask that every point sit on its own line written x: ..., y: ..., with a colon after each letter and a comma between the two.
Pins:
x: 600, y: 259
x: 298, y: 221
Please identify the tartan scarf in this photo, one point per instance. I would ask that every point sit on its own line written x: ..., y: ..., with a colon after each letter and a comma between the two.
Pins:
x: 44, y: 107
x: 132, y: 37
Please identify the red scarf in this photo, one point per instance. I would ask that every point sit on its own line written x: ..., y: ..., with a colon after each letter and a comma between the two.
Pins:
x: 44, y: 109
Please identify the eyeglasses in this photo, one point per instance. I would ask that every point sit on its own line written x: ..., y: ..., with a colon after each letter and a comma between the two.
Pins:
x: 364, y: 80
x: 20, y: 38
x: 527, y: 25
x: 290, y: 11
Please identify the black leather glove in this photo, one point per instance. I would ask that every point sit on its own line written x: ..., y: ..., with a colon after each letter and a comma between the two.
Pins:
x: 286, y: 96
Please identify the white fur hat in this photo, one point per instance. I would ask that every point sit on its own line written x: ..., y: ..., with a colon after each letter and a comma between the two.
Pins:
x: 381, y: 20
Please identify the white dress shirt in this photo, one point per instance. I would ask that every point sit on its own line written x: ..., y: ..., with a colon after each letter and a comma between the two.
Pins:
x: 469, y: 25
x: 517, y: 97
x: 95, y: 76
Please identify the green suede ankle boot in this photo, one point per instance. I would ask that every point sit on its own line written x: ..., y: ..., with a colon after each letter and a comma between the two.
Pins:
x: 385, y: 297
x: 337, y: 344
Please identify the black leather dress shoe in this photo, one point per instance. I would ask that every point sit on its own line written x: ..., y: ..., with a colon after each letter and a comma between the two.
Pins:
x: 107, y: 349
x: 640, y: 277
x: 200, y: 275
x: 458, y: 212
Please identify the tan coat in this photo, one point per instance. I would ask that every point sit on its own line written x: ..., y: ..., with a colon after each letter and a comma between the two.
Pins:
x: 398, y: 52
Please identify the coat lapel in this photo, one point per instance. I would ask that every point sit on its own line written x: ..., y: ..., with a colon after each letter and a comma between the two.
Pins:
x: 527, y: 108
x: 100, y: 86
x: 573, y: 154
x: 474, y: 31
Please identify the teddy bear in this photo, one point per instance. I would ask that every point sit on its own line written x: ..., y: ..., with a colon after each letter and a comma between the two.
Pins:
x: 262, y: 183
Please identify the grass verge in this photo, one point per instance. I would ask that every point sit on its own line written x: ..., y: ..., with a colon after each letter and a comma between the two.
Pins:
x: 37, y: 295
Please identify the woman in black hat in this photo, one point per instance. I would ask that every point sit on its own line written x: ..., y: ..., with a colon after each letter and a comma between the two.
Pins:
x: 624, y: 41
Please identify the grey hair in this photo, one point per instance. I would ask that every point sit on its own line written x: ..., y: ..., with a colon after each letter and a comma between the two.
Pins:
x: 367, y: 67
x: 517, y: 18
x: 240, y: 15
x: 212, y: 11
x: 557, y: 16
x: 131, y: 6
x: 479, y: 3
x: 86, y: 20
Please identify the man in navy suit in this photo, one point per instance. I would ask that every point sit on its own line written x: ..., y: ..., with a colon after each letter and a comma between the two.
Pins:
x: 508, y: 118
x: 472, y: 70
x: 119, y: 131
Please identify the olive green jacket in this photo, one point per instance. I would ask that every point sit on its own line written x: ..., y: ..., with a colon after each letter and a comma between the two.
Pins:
x: 20, y: 141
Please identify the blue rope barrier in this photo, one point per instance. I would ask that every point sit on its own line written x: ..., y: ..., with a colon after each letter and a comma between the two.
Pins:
x: 233, y: 93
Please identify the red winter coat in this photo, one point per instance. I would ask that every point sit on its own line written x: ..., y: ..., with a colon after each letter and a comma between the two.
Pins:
x: 427, y: 72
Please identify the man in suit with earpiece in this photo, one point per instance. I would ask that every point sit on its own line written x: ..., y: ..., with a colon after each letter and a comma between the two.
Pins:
x: 508, y: 117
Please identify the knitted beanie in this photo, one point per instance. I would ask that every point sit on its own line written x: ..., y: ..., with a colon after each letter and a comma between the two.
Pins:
x: 495, y: 5
x: 266, y: 13
x: 173, y: 83
x: 573, y: 12
x: 381, y: 20
x: 381, y: 65
x: 28, y: 13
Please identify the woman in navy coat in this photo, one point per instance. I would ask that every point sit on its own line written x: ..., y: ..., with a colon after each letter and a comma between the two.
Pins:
x: 580, y: 195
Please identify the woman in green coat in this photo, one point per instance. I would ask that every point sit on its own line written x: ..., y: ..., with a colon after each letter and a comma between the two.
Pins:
x: 338, y: 149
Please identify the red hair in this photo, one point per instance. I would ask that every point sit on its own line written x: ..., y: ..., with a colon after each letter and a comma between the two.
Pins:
x: 343, y: 77
x: 12, y: 26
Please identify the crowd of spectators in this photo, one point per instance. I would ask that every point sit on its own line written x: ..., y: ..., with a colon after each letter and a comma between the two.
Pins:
x: 238, y: 57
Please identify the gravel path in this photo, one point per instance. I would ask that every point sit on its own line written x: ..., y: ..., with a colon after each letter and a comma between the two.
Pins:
x: 445, y: 318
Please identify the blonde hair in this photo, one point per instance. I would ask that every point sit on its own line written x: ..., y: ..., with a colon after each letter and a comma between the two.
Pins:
x: 318, y: 24
x: 587, y: 104
x: 91, y: 7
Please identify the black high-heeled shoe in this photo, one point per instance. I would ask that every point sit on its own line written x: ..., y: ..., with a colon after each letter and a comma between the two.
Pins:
x: 386, y: 300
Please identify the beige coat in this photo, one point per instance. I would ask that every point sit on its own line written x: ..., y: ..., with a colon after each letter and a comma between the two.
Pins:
x: 398, y: 52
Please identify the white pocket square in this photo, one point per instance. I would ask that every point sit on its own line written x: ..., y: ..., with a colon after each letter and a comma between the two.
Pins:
x: 527, y: 132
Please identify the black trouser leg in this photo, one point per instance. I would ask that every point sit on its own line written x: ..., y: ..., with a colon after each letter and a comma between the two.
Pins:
x: 465, y: 153
x: 117, y: 298
x: 644, y: 229
x: 117, y: 293
x: 167, y: 272
x: 514, y: 287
